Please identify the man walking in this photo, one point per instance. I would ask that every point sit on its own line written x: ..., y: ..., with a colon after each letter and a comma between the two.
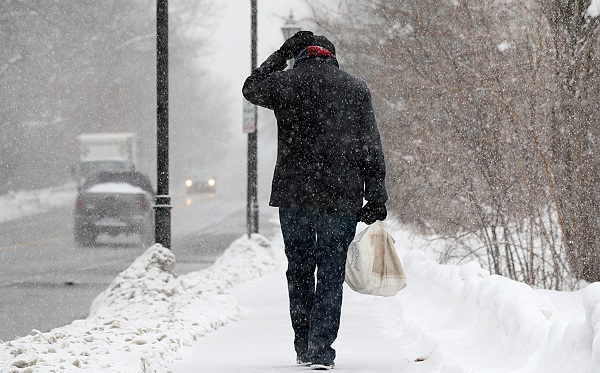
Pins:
x: 329, y: 159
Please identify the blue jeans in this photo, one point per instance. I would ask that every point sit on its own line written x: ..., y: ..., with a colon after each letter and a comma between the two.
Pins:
x: 318, y: 240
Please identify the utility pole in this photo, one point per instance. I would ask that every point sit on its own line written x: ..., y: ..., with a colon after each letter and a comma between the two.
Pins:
x: 162, y: 206
x: 252, y: 199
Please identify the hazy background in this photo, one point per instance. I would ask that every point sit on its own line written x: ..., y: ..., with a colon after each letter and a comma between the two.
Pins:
x: 70, y: 67
x: 488, y: 109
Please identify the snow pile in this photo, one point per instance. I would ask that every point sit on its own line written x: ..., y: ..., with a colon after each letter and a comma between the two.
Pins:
x: 504, y: 46
x: 15, y: 205
x: 576, y: 339
x: 124, y: 188
x: 593, y: 10
x: 478, y: 313
x: 145, y: 316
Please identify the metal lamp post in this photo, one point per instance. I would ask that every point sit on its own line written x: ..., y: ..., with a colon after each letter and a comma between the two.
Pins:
x: 252, y: 192
x: 162, y: 207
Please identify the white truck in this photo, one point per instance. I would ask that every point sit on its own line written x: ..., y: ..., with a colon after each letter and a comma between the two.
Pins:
x: 105, y: 152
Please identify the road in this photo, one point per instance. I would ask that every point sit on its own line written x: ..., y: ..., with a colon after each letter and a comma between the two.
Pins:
x: 47, y: 281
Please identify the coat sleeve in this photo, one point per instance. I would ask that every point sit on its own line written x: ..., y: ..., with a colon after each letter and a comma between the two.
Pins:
x: 260, y: 87
x: 373, y: 162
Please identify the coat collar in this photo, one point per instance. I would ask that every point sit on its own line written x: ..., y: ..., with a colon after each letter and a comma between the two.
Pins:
x: 314, y: 52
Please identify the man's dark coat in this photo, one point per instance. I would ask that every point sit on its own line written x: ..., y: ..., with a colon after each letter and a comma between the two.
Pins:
x: 329, y: 150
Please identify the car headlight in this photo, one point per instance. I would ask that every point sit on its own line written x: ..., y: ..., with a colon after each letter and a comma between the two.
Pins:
x: 188, y: 183
x: 211, y: 182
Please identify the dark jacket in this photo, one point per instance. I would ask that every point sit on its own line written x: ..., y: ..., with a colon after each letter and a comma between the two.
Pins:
x: 329, y: 151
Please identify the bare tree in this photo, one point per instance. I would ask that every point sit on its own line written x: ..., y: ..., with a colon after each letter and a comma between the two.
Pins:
x: 465, y: 108
x: 575, y: 162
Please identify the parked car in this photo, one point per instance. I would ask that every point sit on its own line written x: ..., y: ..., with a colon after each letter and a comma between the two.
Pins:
x: 200, y: 182
x: 114, y: 202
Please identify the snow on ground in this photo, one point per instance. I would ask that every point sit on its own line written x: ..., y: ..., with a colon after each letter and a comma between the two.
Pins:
x: 123, y: 188
x: 16, y: 205
x: 451, y: 319
x: 476, y: 322
x: 594, y: 9
x: 141, y: 321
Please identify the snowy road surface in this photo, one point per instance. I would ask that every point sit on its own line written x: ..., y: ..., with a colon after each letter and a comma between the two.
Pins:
x: 46, y: 280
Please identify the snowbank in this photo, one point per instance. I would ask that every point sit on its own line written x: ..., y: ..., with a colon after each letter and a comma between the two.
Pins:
x: 16, y: 205
x: 490, y: 312
x: 576, y: 339
x: 593, y: 10
x: 145, y: 316
x: 123, y: 188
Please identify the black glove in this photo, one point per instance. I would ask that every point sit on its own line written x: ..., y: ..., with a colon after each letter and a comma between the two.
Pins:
x: 371, y: 212
x: 296, y: 44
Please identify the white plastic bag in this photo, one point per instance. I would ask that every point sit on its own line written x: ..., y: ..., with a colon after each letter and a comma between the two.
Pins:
x: 373, y: 266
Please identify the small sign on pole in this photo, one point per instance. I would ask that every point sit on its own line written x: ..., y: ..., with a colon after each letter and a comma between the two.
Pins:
x: 249, y: 117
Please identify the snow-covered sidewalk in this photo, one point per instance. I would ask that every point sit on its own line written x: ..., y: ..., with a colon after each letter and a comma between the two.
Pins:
x: 451, y: 319
x: 262, y: 341
x: 233, y: 317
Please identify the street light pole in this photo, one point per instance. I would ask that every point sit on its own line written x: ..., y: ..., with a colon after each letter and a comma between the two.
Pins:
x: 252, y: 198
x: 162, y: 206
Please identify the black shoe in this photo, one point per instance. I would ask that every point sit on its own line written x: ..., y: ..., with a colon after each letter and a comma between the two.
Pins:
x: 317, y: 366
x: 302, y: 360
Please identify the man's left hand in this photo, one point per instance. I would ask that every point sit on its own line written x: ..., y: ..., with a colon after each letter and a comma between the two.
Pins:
x: 295, y: 44
x: 371, y: 212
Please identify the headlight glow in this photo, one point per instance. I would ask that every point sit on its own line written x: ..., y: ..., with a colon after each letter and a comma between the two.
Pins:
x: 211, y: 182
x: 188, y: 183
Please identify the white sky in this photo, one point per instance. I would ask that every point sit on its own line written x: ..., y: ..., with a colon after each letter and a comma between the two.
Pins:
x: 229, y: 61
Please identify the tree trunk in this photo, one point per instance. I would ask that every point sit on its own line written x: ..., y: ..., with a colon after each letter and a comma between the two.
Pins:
x: 573, y: 145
